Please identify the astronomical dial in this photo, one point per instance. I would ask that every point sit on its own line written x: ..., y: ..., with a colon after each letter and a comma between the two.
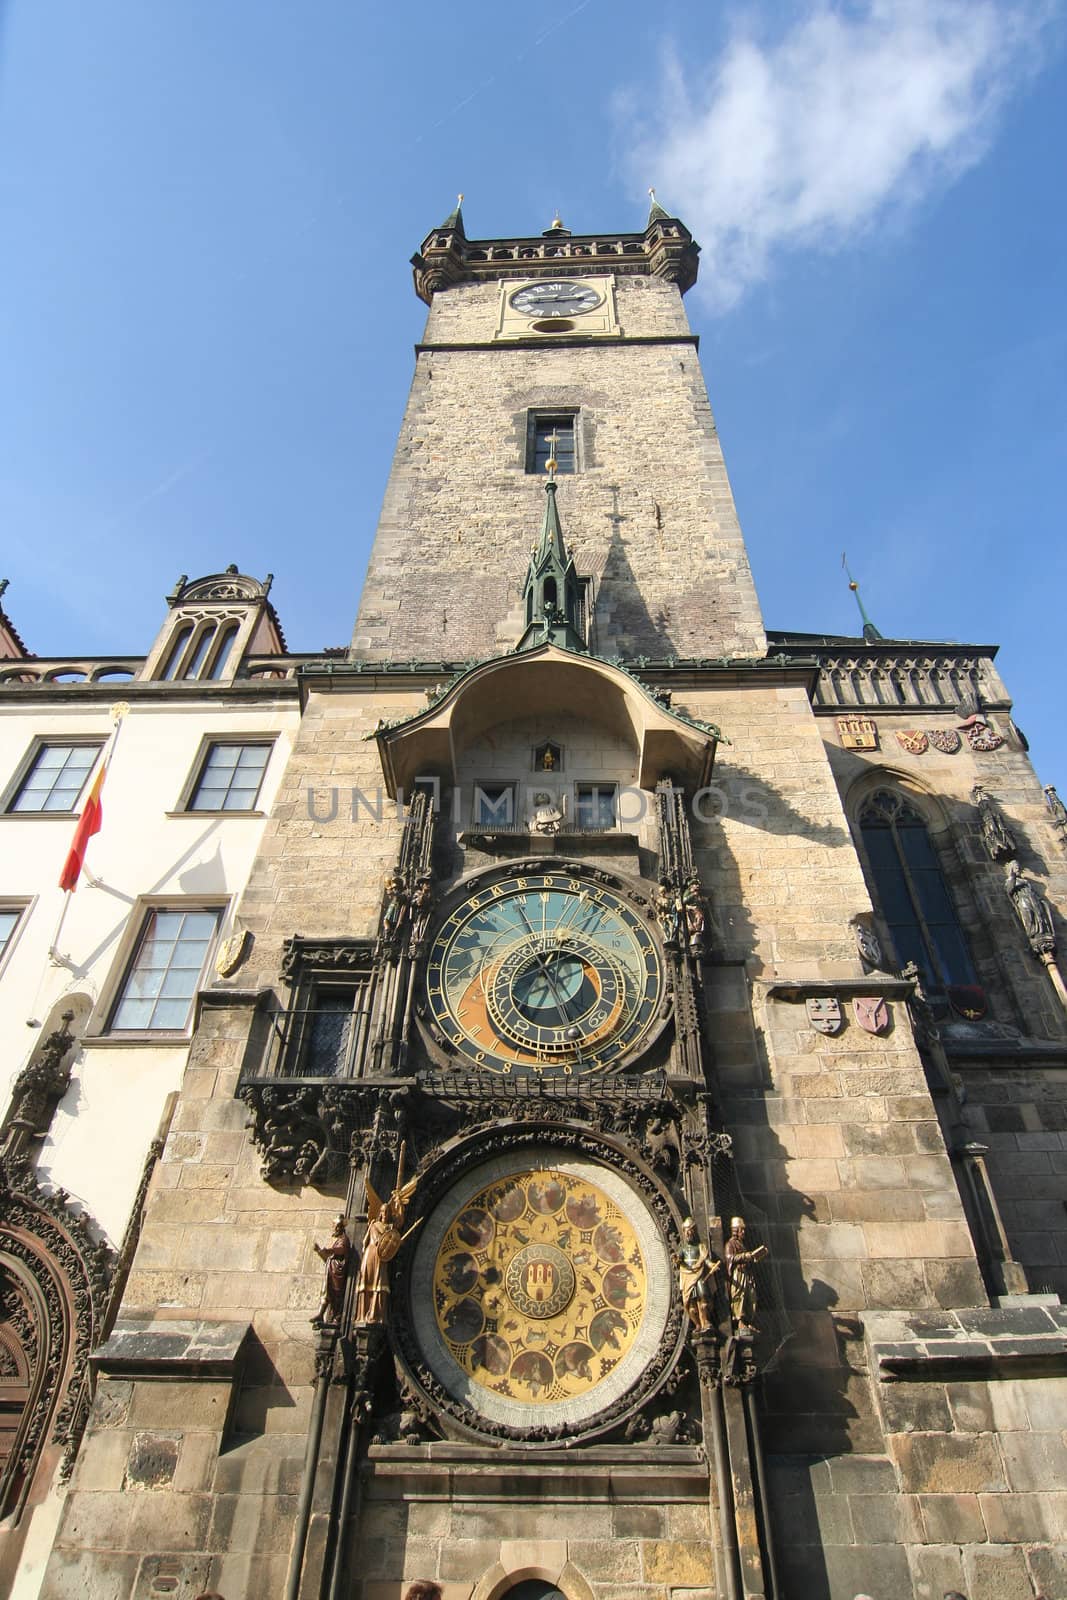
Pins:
x: 556, y: 298
x: 545, y: 972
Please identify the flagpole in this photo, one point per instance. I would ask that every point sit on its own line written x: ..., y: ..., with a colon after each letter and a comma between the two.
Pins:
x: 53, y: 954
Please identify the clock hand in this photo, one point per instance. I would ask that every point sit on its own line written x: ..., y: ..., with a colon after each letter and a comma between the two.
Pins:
x: 561, y: 1005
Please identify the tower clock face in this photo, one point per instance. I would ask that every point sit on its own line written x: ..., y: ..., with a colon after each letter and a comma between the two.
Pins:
x: 548, y: 972
x: 556, y: 298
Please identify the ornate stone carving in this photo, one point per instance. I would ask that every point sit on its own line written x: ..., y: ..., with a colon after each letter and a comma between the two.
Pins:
x: 325, y: 955
x: 55, y: 1280
x: 301, y: 1134
x: 996, y: 835
x: 37, y: 1091
x: 868, y: 945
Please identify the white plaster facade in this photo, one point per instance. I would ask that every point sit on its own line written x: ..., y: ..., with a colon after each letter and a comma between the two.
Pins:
x: 152, y: 851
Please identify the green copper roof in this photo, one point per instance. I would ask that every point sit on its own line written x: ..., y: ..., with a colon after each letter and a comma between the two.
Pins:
x: 551, y: 592
x: 656, y: 212
x: 454, y: 221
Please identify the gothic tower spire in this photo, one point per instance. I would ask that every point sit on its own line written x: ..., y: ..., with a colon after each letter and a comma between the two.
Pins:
x: 552, y: 593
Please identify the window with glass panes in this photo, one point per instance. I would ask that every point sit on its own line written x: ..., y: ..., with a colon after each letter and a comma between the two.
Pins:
x: 327, y: 1032
x: 10, y: 917
x: 594, y: 805
x: 540, y: 445
x: 911, y: 892
x: 230, y: 777
x: 56, y: 778
x: 164, y: 975
x: 494, y: 804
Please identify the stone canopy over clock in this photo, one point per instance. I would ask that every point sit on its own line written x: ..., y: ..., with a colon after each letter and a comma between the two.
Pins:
x: 554, y: 306
x: 542, y: 969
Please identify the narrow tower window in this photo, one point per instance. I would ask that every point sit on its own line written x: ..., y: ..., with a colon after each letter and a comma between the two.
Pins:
x: 539, y: 441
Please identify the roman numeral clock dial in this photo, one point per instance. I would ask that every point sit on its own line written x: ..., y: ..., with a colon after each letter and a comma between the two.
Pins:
x: 546, y: 972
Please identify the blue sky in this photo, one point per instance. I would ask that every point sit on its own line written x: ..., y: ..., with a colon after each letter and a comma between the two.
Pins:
x: 207, y: 209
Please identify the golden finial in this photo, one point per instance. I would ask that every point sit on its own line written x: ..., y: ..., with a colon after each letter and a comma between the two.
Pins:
x: 459, y: 199
x: 557, y: 220
x: 652, y: 194
x: 551, y: 464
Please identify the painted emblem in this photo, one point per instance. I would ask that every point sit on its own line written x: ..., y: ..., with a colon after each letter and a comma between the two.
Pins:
x: 857, y: 733
x: 967, y: 1000
x: 868, y: 945
x: 913, y: 740
x: 540, y: 1281
x: 981, y: 735
x: 824, y: 1013
x: 872, y: 1013
x: 232, y: 952
x: 947, y: 740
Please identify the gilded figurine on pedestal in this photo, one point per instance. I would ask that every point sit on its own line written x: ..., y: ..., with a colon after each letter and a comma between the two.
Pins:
x: 382, y: 1240
x: 741, y: 1280
x: 696, y: 1277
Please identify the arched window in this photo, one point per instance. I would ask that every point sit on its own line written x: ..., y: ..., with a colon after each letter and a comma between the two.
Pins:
x: 910, y: 891
x: 200, y: 649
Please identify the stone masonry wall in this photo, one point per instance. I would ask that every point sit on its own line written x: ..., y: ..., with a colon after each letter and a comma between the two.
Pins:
x: 1018, y: 1109
x: 217, y: 1243
x: 633, y: 1540
x: 650, y: 502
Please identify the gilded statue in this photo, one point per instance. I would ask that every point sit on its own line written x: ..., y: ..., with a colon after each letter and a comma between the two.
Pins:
x: 741, y: 1280
x: 382, y: 1240
x: 696, y: 1277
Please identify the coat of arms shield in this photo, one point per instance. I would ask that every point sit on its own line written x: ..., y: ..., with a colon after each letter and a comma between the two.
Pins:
x: 947, y: 740
x: 824, y: 1013
x: 872, y: 1013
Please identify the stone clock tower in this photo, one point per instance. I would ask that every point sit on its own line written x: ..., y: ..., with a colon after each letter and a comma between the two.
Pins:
x: 562, y: 1044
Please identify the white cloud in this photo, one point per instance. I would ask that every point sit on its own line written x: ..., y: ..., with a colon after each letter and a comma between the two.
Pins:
x: 806, y: 139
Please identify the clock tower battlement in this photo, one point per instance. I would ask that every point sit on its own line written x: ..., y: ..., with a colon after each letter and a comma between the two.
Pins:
x: 584, y: 337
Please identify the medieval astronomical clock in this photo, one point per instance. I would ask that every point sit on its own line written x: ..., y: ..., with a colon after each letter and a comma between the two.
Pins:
x: 539, y: 1141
